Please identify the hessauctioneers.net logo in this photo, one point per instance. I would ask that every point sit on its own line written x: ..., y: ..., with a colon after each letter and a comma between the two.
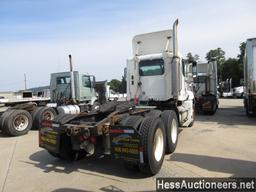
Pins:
x: 206, y: 184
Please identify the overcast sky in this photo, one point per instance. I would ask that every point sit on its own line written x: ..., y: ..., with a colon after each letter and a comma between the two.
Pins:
x: 37, y: 36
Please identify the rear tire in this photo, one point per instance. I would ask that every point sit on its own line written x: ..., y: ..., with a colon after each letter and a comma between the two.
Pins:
x: 154, y: 113
x: 171, y: 127
x: 153, y: 144
x: 19, y: 122
x: 42, y: 113
x: 133, y: 121
x: 3, y: 118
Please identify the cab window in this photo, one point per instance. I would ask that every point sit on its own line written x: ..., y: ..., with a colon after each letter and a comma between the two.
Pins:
x: 63, y: 80
x: 151, y: 67
x: 86, y: 81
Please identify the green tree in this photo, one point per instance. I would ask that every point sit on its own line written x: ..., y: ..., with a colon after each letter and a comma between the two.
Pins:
x: 240, y: 57
x: 196, y: 57
x: 115, y: 85
x: 231, y: 69
x: 218, y: 55
x: 242, y: 52
x: 190, y: 58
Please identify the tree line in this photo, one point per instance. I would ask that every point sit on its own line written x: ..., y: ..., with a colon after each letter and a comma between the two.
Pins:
x: 117, y: 85
x: 227, y: 68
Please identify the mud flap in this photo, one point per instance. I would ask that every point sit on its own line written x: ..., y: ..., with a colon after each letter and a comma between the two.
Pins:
x: 126, y: 144
x: 207, y: 105
x: 49, y: 136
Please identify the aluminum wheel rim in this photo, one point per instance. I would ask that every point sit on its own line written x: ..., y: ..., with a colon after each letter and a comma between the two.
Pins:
x: 20, y: 122
x: 158, y: 144
x: 48, y: 115
x: 174, y: 131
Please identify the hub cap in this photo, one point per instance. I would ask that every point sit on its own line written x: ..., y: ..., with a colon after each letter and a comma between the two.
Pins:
x: 158, y: 145
x: 174, y: 131
x: 20, y: 122
x: 48, y: 115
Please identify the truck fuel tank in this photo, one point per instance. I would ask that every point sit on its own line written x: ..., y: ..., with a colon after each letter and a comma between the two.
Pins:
x: 69, y: 109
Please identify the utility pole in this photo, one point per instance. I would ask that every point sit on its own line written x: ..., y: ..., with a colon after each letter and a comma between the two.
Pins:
x: 25, y: 81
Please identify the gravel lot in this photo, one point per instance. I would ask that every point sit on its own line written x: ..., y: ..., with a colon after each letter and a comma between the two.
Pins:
x: 222, y: 145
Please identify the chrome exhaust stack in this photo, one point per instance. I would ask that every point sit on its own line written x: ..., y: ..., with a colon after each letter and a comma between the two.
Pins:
x: 175, y: 38
x: 72, y: 81
x: 176, y: 68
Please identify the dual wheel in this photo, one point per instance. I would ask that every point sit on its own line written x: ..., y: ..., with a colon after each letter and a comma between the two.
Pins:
x: 42, y: 113
x: 16, y: 122
x: 159, y: 136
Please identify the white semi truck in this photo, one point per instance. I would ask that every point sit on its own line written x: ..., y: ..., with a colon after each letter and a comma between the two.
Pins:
x: 141, y: 131
x: 205, y: 87
x: 250, y: 77
x: 156, y: 75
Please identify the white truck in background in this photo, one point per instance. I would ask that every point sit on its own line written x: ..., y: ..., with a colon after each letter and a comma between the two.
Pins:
x: 205, y: 87
x: 112, y: 95
x: 250, y: 77
x: 238, y: 92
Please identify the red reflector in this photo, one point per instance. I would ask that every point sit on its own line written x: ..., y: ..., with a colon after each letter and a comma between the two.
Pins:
x: 136, y: 100
x: 46, y: 123
x: 116, y: 131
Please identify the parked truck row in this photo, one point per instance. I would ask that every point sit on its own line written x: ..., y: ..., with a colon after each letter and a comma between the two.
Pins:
x: 162, y: 97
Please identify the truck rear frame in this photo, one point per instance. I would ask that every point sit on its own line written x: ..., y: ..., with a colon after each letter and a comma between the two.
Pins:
x: 135, y: 135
